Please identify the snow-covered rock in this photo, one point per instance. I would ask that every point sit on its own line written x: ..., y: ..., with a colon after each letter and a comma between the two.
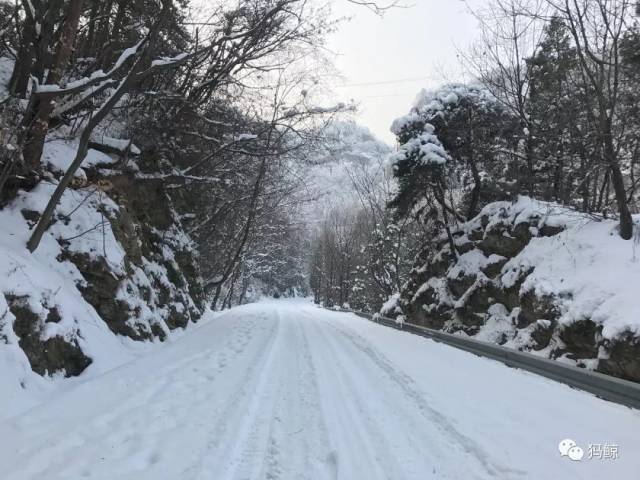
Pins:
x: 107, y: 272
x: 537, y: 276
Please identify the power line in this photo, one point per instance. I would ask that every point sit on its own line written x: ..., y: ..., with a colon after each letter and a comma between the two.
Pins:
x: 384, y: 82
x: 391, y: 95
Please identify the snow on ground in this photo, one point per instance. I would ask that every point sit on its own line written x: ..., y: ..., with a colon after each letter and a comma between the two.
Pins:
x: 47, y: 281
x: 591, y: 273
x: 593, y: 269
x: 283, y: 390
x: 59, y: 154
x: 588, y: 266
x: 118, y: 144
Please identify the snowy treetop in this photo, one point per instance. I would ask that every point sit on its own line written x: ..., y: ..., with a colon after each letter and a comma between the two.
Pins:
x: 426, y: 147
x: 430, y: 104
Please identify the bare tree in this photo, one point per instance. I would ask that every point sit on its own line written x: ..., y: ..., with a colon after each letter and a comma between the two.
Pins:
x: 136, y: 74
x: 287, y: 113
x: 597, y: 28
x: 508, y: 37
x: 377, y: 7
x: 38, y: 114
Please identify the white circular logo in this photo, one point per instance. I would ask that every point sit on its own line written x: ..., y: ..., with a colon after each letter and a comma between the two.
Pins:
x: 576, y: 453
x: 565, y: 445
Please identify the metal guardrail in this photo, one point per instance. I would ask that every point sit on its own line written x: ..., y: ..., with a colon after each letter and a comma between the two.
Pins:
x: 604, y: 386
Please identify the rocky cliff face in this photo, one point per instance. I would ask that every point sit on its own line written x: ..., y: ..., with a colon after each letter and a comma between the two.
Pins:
x: 534, y: 276
x: 115, y: 264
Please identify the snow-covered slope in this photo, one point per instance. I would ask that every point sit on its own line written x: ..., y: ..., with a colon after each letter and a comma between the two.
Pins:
x: 47, y: 287
x: 535, y: 275
x: 100, y: 279
x: 285, y: 390
x: 348, y: 149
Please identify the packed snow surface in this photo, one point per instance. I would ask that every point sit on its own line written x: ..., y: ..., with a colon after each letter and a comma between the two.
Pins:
x: 286, y: 390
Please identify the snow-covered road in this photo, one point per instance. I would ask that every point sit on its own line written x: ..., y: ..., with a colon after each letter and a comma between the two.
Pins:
x: 285, y: 390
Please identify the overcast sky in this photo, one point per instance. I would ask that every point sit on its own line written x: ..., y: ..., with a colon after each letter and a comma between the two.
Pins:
x: 419, y: 42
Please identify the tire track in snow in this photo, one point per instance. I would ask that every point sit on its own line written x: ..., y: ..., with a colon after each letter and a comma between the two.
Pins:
x: 360, y: 448
x: 283, y: 433
x: 222, y: 421
x: 305, y: 433
x: 406, y: 385
x: 245, y: 447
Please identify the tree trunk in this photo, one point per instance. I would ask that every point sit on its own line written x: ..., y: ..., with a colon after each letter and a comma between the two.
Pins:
x: 47, y: 17
x: 603, y: 189
x: 125, y: 85
x: 529, y: 154
x: 91, y: 31
x: 617, y: 181
x: 243, y: 293
x: 36, y: 31
x: 19, y: 82
x: 107, y: 52
x: 102, y: 32
x: 216, y: 297
x: 37, y: 121
x: 475, y: 193
x: 441, y: 198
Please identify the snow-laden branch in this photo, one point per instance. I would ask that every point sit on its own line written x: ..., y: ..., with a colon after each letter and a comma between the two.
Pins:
x: 164, y: 61
x: 74, y: 102
x: 96, y: 77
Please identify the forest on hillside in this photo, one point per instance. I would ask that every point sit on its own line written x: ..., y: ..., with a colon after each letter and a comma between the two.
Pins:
x: 512, y: 209
x: 217, y: 115
x: 552, y: 114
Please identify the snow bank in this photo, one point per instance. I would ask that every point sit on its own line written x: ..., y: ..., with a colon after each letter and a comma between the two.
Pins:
x: 53, y: 289
x: 536, y: 276
x: 588, y: 268
x: 117, y: 144
x: 46, y: 281
x: 59, y: 155
x: 592, y: 270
